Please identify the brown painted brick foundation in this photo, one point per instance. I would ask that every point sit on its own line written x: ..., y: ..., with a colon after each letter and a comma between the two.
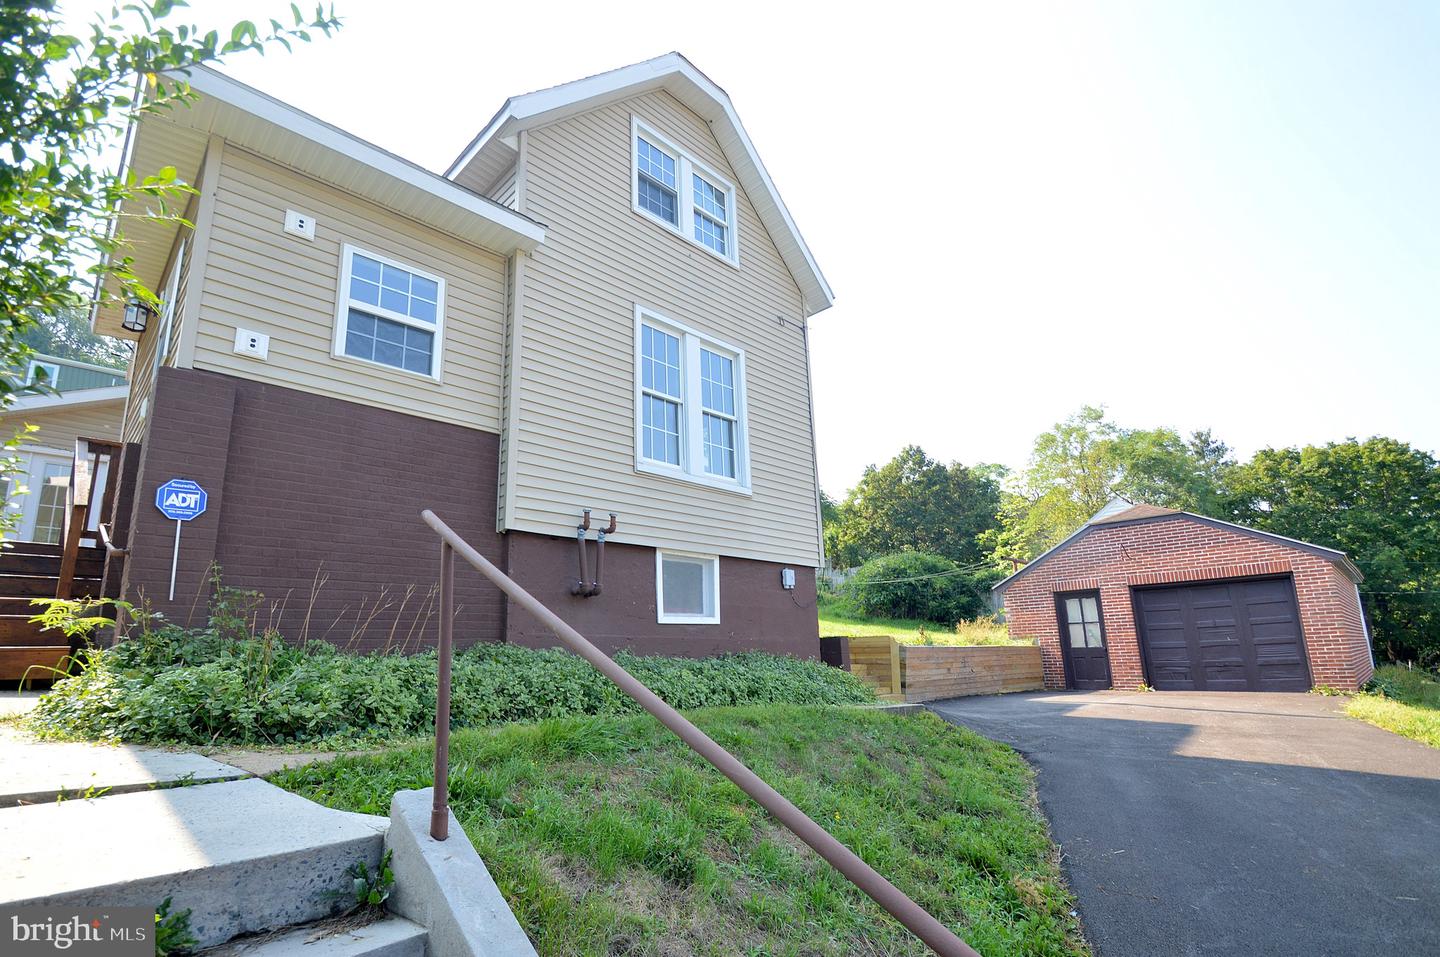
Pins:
x: 755, y: 612
x: 302, y: 485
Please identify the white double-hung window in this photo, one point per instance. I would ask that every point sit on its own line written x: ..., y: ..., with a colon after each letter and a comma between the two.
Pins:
x: 682, y: 194
x: 389, y: 313
x: 689, y: 405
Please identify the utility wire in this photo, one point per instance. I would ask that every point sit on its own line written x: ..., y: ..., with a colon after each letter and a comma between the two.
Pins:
x: 920, y: 578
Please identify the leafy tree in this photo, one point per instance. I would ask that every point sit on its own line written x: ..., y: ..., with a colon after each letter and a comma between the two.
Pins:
x: 67, y: 335
x: 913, y: 503
x: 1378, y: 501
x: 1077, y: 467
x: 63, y: 98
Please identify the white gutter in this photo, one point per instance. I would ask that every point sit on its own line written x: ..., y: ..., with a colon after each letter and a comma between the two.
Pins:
x: 70, y: 400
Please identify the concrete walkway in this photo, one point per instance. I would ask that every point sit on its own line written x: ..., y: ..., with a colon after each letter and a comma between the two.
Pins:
x: 37, y: 772
x: 1253, y: 824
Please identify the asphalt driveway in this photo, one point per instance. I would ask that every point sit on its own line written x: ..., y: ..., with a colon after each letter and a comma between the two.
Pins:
x: 1194, y: 823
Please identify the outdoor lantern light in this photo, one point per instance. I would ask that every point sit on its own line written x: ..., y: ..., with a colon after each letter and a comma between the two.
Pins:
x: 137, y: 314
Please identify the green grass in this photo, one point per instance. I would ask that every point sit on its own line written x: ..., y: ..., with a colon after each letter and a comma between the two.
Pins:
x: 839, y: 618
x: 608, y: 836
x: 1407, y: 703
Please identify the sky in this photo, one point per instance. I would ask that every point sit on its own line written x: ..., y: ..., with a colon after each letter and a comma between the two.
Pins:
x: 1220, y: 215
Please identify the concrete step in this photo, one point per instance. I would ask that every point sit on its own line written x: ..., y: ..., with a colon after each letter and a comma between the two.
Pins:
x: 387, y: 937
x: 42, y: 772
x: 242, y: 856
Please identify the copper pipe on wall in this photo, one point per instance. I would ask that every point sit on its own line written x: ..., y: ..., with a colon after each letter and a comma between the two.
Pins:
x: 920, y: 922
x: 600, y: 556
x: 580, y: 586
x: 585, y: 586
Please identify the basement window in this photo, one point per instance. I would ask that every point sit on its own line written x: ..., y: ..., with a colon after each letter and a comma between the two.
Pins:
x: 687, y: 588
x: 689, y: 405
x: 389, y: 314
x: 682, y: 194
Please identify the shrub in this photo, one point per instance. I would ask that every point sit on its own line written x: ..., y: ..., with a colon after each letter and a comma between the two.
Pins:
x: 920, y: 585
x: 191, y: 687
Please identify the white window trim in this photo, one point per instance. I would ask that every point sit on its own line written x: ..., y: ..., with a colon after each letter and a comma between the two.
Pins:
x: 52, y: 371
x: 343, y: 306
x: 664, y: 619
x: 692, y: 439
x: 167, y: 311
x: 685, y: 166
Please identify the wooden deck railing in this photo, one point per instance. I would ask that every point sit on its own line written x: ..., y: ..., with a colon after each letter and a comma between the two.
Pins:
x: 919, y: 921
x: 90, y: 494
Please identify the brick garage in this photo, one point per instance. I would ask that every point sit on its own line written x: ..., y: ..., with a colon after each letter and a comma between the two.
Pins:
x: 1145, y: 595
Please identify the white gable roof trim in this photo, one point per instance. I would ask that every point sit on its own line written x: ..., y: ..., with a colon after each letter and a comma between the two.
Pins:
x: 270, y: 126
x: 679, y: 77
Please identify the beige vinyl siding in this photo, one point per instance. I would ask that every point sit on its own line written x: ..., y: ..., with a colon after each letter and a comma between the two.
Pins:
x: 142, y: 383
x: 257, y: 277
x: 142, y: 363
x: 505, y: 191
x: 576, y: 392
x: 59, y: 428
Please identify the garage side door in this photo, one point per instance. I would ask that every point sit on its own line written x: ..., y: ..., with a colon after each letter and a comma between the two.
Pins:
x: 1223, y: 636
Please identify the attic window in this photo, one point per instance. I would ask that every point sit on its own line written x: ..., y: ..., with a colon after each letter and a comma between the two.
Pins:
x: 682, y: 194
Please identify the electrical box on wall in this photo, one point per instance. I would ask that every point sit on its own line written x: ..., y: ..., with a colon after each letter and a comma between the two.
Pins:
x: 299, y: 224
x: 254, y: 344
x: 787, y: 578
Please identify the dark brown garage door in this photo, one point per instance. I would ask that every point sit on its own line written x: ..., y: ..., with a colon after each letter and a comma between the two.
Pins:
x: 1223, y: 636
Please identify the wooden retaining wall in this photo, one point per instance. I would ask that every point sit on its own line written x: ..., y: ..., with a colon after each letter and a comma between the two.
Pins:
x: 876, y: 661
x: 929, y: 672
x: 932, y: 672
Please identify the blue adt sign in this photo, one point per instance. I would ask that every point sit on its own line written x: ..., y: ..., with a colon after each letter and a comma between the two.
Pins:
x: 180, y: 499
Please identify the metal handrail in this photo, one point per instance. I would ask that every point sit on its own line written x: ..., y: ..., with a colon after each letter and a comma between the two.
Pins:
x: 919, y: 921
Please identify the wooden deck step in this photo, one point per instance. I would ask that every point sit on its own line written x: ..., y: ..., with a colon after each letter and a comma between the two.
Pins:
x: 12, y: 605
x: 15, y: 661
x: 87, y: 566
x: 43, y: 586
x: 20, y: 630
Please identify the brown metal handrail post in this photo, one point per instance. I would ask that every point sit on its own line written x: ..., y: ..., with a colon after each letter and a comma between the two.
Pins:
x: 919, y: 921
x: 440, y: 806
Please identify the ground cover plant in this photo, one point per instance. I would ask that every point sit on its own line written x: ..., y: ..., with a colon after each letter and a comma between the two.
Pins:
x: 1403, y: 700
x: 202, y: 687
x: 608, y: 836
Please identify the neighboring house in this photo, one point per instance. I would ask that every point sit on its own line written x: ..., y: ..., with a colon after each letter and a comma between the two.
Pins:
x: 90, y: 404
x: 1181, y: 602
x: 602, y: 305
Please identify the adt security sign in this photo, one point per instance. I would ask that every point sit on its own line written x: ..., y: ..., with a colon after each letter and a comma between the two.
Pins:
x: 181, y: 500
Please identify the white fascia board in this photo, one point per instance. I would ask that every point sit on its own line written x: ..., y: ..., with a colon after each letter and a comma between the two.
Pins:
x: 678, y: 75
x: 207, y: 82
x: 70, y: 400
